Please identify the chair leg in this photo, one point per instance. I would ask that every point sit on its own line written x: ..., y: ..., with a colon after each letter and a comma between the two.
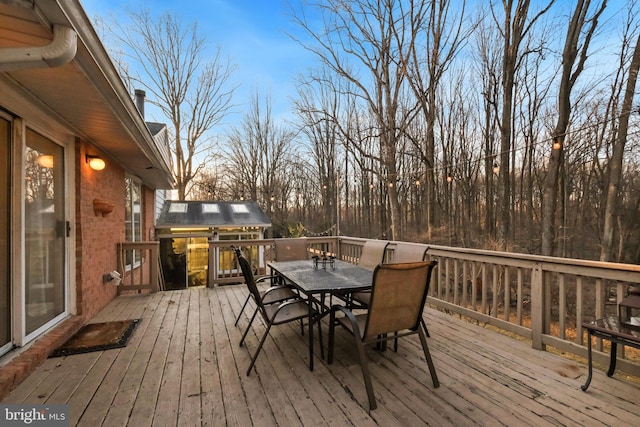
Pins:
x: 242, y: 310
x: 246, y: 331
x: 424, y: 325
x: 395, y: 340
x: 332, y: 328
x: 427, y: 356
x: 320, y: 338
x: 365, y: 374
x: 255, y: 356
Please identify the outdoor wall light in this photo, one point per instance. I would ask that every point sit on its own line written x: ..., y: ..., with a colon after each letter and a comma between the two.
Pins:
x: 95, y: 162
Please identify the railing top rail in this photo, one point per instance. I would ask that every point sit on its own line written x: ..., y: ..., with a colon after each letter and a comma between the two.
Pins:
x: 548, y: 263
x: 557, y: 264
x: 263, y: 242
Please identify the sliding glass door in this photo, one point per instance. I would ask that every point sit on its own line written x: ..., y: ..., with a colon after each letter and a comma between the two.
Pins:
x: 5, y: 206
x: 46, y: 231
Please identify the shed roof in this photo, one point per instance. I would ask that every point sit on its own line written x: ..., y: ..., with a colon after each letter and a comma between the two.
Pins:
x: 214, y: 214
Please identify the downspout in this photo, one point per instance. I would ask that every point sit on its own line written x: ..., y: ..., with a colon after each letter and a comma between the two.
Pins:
x: 60, y: 51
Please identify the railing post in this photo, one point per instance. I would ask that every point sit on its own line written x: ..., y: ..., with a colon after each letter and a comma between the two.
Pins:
x: 153, y: 266
x: 212, y: 269
x: 537, y: 307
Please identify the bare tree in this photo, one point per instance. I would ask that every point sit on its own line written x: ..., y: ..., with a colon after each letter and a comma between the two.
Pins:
x: 260, y: 152
x: 615, y: 163
x: 209, y: 185
x: 575, y: 48
x: 444, y: 37
x: 536, y: 90
x: 192, y: 93
x: 516, y: 24
x: 316, y: 107
x: 488, y: 73
x: 368, y: 44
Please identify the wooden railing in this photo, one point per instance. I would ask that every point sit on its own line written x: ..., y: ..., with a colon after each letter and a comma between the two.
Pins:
x: 543, y: 299
x: 138, y: 262
x: 223, y: 268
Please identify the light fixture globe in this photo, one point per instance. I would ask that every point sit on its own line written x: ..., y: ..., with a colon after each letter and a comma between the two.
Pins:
x: 95, y: 162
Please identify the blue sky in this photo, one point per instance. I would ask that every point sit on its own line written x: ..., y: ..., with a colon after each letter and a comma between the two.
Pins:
x: 253, y: 34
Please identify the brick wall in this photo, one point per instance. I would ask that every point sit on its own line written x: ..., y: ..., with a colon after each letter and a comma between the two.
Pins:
x: 97, y: 234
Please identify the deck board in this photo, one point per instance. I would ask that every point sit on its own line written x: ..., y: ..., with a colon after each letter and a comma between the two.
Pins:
x: 184, y: 366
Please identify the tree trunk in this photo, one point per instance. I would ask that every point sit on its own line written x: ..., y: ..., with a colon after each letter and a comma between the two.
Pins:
x: 568, y: 79
x: 615, y: 163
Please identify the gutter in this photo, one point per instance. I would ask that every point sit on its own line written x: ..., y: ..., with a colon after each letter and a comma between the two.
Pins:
x: 60, y: 51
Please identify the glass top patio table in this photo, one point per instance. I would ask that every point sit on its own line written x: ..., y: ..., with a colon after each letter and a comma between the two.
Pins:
x: 342, y: 278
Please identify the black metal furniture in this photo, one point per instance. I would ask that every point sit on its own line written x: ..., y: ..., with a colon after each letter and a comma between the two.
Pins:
x: 316, y: 283
x: 610, y: 329
x: 398, y: 296
x: 272, y: 314
x: 287, y: 249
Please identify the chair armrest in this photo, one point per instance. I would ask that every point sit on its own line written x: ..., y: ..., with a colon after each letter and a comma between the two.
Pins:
x: 273, y: 289
x: 262, y: 279
x: 349, y: 315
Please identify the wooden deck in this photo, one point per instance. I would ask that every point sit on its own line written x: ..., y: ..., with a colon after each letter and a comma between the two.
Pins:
x: 183, y: 366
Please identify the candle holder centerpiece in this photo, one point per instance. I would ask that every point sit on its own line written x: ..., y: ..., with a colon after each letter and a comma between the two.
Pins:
x: 322, y: 260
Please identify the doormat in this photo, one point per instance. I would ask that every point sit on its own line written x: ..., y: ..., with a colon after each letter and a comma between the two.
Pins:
x: 98, y: 337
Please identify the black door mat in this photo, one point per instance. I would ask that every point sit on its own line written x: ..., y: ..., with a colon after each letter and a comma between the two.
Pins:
x: 98, y: 337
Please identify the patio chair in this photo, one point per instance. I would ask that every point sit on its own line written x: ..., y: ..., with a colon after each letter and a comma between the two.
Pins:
x: 276, y: 293
x: 291, y: 249
x: 397, y: 300
x: 272, y: 314
x: 404, y: 252
x: 401, y: 253
x: 373, y: 253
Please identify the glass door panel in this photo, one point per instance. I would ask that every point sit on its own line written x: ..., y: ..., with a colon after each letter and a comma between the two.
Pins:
x: 174, y: 262
x: 5, y: 205
x: 45, y: 231
x: 198, y: 261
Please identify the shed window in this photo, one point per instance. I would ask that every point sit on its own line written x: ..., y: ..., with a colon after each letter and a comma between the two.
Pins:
x: 178, y: 208
x: 210, y: 208
x: 239, y: 208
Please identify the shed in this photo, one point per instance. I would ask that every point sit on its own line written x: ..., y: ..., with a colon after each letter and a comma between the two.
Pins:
x: 184, y: 229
